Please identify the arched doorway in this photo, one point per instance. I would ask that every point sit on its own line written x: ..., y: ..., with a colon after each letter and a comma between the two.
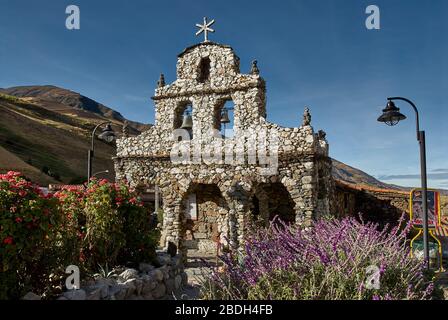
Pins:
x: 272, y: 200
x: 205, y: 224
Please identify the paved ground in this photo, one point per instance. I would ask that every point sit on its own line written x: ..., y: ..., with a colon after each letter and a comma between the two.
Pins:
x: 196, y: 267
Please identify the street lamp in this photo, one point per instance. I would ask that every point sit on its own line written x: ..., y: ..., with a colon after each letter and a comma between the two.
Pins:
x: 107, y: 135
x: 391, y: 116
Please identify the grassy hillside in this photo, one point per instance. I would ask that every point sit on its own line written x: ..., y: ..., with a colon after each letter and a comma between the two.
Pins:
x: 352, y: 175
x: 54, y: 144
x: 68, y: 102
x: 11, y: 162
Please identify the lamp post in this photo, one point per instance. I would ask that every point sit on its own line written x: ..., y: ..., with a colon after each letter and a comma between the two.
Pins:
x: 391, y: 116
x: 107, y: 135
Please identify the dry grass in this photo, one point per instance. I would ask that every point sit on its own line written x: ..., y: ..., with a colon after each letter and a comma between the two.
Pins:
x: 41, y: 138
x: 9, y: 161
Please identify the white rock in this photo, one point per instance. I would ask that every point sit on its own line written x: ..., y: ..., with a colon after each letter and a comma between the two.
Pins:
x: 177, y: 282
x: 309, y: 139
x: 118, y: 292
x: 164, y: 259
x: 75, y: 294
x: 31, y: 296
x: 95, y: 295
x: 145, y: 267
x: 129, y: 274
x: 159, y: 291
x: 157, y: 274
x: 307, y: 179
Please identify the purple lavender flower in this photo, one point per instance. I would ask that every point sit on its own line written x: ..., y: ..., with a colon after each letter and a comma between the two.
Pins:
x: 327, y: 261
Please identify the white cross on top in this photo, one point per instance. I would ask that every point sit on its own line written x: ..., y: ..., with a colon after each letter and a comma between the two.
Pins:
x: 205, y: 28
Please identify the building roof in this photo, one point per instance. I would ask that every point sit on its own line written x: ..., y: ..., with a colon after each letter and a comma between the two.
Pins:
x: 208, y: 43
x: 366, y: 188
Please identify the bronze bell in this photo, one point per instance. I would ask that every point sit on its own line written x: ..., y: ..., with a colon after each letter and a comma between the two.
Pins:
x: 225, y: 116
x: 187, y: 122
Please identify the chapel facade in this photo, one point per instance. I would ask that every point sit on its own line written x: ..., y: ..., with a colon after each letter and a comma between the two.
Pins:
x: 212, y: 201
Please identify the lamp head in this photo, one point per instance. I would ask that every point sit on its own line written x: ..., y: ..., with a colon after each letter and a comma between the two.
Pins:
x: 108, y: 134
x: 391, y: 114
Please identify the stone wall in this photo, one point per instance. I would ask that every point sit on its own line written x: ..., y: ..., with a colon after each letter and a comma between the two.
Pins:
x: 381, y: 205
x: 378, y: 205
x: 147, y: 283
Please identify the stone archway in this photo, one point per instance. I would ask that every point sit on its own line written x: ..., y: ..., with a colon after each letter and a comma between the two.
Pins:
x: 205, y: 213
x: 270, y: 201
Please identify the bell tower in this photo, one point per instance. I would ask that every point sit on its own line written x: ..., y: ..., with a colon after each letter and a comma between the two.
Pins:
x: 208, y: 76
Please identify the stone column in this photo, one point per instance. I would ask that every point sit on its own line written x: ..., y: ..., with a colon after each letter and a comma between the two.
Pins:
x: 156, y: 198
x: 302, y: 195
x: 239, y: 214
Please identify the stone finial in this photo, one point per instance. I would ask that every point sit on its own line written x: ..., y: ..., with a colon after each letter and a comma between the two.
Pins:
x: 125, y: 129
x: 254, y: 69
x: 321, y: 134
x: 306, y: 117
x: 161, y: 82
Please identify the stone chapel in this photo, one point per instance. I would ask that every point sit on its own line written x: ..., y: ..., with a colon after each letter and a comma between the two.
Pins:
x: 209, y: 204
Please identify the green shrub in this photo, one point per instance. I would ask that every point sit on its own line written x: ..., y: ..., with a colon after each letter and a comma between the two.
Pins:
x: 9, y: 98
x: 102, y: 225
x: 73, y: 229
x: 28, y: 231
x: 118, y: 229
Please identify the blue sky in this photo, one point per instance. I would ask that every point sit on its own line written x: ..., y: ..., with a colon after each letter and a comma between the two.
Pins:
x: 311, y: 53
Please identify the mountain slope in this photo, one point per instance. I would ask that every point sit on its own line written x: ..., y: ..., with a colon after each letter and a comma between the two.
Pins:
x: 68, y: 102
x: 352, y: 175
x: 11, y: 162
x: 53, y: 143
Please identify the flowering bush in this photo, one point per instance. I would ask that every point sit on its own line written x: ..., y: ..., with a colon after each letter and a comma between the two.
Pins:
x: 27, y: 231
x: 328, y: 261
x: 71, y: 203
x: 118, y: 229
x: 101, y: 225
